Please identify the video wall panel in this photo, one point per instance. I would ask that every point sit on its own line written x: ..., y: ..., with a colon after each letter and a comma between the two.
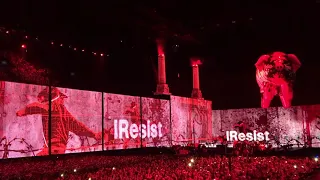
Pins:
x: 297, y: 125
x: 122, y: 120
x: 201, y: 117
x: 311, y: 116
x: 23, y: 120
x: 286, y: 125
x: 156, y: 120
x: 76, y: 123
x: 132, y: 122
x: 180, y: 116
x: 191, y: 120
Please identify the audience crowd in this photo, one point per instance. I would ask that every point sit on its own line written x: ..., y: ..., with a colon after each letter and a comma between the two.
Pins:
x: 167, y: 167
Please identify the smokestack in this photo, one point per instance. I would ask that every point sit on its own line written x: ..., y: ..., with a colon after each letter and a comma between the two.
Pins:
x: 196, y: 92
x: 162, y: 86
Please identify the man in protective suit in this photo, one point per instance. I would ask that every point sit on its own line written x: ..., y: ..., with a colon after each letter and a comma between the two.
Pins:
x: 62, y: 122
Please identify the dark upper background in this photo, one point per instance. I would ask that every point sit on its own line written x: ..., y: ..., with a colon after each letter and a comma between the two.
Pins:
x: 229, y: 36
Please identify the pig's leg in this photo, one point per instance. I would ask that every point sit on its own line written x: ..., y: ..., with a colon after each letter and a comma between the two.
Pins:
x: 286, y: 95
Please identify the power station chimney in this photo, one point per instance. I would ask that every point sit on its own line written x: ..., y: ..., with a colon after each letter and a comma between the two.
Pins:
x: 162, y: 86
x: 196, y: 92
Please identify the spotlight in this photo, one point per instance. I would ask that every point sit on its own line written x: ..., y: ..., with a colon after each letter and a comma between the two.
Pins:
x: 23, y: 46
x: 74, y: 170
x: 295, y: 166
x: 113, y: 168
x: 189, y: 164
x: 61, y: 175
x: 316, y: 159
x: 192, y: 160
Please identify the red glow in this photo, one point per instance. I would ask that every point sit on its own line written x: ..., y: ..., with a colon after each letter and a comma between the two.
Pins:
x: 61, y: 45
x: 94, y: 53
x: 160, y: 51
x: 26, y: 37
x: 195, y: 62
x: 52, y: 43
x: 101, y: 55
x: 160, y: 46
x: 7, y: 32
x: 23, y: 46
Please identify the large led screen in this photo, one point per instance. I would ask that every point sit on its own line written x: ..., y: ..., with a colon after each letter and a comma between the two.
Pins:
x: 23, y: 120
x: 311, y: 125
x: 202, y: 120
x: 191, y: 120
x: 297, y: 126
x: 122, y: 122
x: 156, y: 122
x: 76, y: 123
